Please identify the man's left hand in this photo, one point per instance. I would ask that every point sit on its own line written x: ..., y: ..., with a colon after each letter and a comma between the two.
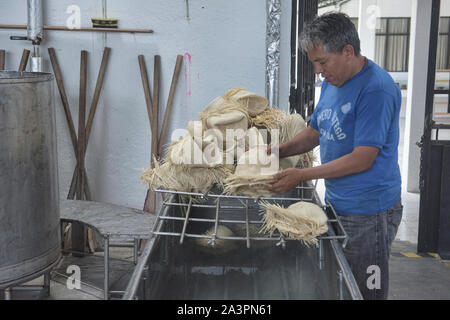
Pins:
x: 286, y: 180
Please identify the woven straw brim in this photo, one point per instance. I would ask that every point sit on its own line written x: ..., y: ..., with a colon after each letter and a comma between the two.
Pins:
x: 292, y: 225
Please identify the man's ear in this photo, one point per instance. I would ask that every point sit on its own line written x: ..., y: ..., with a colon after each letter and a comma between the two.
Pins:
x: 348, y: 51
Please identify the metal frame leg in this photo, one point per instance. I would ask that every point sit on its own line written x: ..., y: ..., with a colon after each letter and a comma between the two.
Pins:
x: 106, y: 260
x: 135, y: 250
x: 340, y: 288
x: 46, y: 287
x: 8, y: 294
x: 321, y: 258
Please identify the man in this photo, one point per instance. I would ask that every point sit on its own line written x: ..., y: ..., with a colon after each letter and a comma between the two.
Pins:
x: 356, y: 125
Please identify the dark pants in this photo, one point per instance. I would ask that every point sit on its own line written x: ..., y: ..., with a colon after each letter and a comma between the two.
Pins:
x: 369, y: 246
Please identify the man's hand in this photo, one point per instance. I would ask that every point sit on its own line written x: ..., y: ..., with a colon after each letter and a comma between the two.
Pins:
x: 286, y: 180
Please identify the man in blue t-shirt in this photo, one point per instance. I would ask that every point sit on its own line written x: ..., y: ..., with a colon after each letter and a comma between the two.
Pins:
x: 356, y: 124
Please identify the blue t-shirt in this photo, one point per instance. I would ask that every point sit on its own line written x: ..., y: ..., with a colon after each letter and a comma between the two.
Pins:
x: 363, y: 112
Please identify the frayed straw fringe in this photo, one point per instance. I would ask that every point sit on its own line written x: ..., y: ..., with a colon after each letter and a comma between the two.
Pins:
x: 270, y: 118
x: 253, y: 186
x: 185, y: 179
x: 288, y: 224
x: 291, y: 125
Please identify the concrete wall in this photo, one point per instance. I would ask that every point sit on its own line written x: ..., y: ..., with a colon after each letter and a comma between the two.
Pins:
x: 223, y: 44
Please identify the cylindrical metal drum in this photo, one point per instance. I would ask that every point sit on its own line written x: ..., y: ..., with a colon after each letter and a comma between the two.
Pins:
x: 29, y: 198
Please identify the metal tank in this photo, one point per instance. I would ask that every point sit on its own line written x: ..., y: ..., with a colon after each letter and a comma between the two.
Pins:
x: 29, y: 198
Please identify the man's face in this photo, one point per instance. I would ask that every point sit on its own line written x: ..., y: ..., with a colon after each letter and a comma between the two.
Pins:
x: 334, y: 67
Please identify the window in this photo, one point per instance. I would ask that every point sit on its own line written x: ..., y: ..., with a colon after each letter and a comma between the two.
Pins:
x: 392, y: 44
x: 443, y: 56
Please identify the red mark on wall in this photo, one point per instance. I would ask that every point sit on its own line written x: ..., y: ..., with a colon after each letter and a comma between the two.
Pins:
x: 187, y: 78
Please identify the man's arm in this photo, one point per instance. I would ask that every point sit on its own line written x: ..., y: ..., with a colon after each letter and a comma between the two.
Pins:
x: 359, y: 160
x: 303, y: 142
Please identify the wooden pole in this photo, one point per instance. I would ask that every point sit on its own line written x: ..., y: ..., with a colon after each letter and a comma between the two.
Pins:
x: 90, y: 121
x: 24, y: 60
x: 98, y: 90
x: 81, y: 124
x: 62, y: 93
x: 155, y: 112
x: 168, y: 110
x: 149, y: 203
x: 62, y: 28
x: 146, y: 86
x: 2, y: 59
x: 73, y: 134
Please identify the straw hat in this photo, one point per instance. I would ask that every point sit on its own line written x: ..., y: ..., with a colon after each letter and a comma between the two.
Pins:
x: 217, y: 113
x: 290, y: 126
x: 221, y: 245
x: 254, y: 103
x: 254, y: 172
x: 222, y: 117
x: 186, y: 151
x: 303, y: 221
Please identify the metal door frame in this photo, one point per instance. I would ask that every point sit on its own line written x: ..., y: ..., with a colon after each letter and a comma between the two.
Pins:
x: 302, y: 77
x: 434, y: 170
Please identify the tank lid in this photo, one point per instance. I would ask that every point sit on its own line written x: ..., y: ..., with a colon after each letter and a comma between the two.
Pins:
x: 24, y: 77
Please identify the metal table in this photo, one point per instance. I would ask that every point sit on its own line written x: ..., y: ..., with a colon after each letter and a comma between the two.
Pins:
x: 112, y: 222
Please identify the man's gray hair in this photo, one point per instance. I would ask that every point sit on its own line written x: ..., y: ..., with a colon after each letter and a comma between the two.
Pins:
x: 333, y: 31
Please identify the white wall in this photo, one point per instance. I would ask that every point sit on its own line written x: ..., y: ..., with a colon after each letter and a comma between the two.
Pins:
x: 388, y: 8
x: 226, y: 42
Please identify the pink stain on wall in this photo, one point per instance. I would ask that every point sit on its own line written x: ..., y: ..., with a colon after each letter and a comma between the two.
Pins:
x: 187, y: 78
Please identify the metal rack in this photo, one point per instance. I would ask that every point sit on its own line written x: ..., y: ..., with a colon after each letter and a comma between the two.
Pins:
x: 329, y: 245
x: 195, y: 198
